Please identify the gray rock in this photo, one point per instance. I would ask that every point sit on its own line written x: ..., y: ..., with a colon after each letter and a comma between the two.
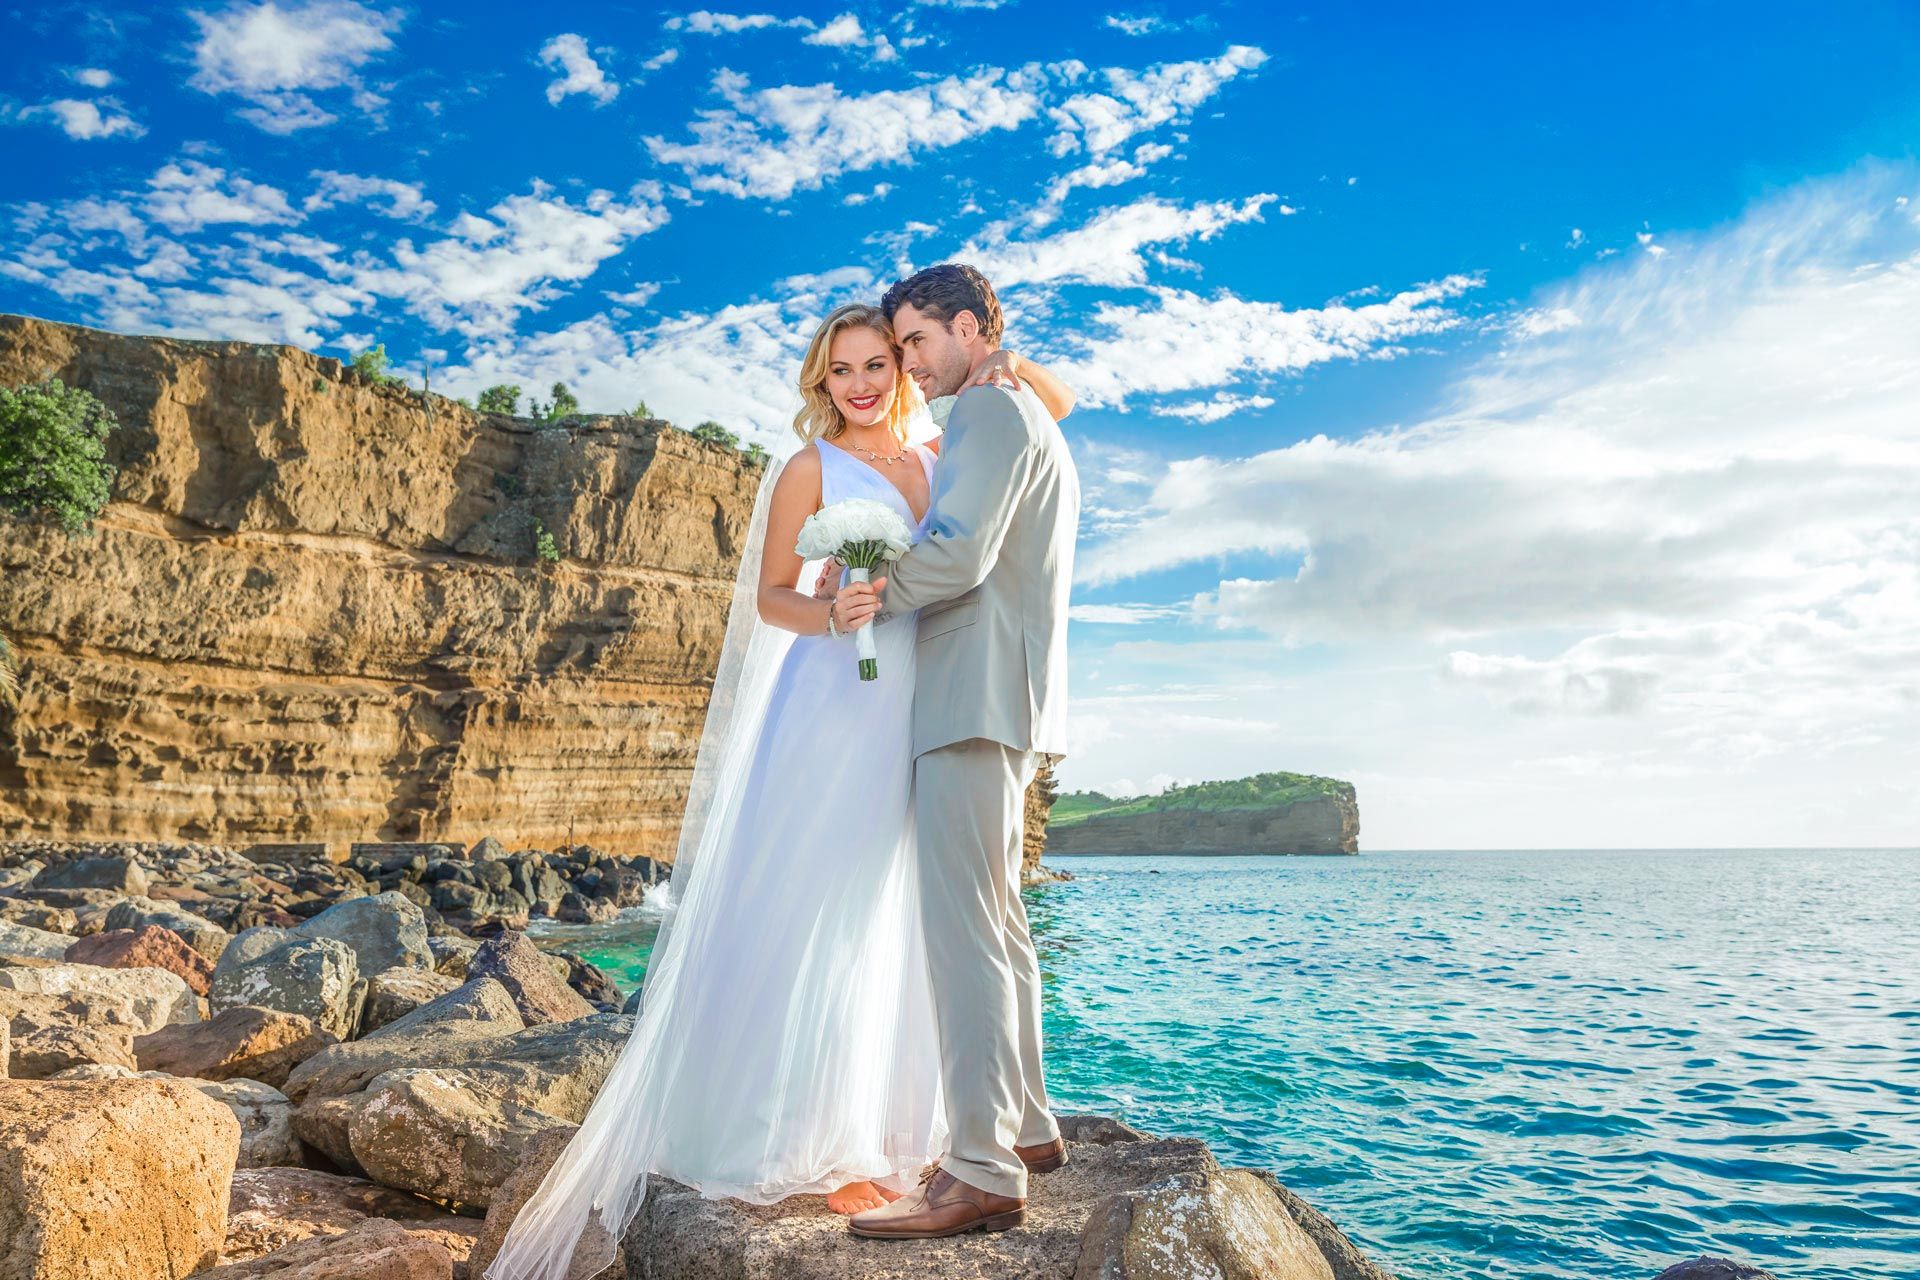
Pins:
x: 318, y: 977
x: 457, y: 1027
x: 23, y: 942
x: 452, y: 954
x: 39, y: 1050
x: 200, y: 933
x: 397, y: 992
x: 273, y: 1208
x: 266, y: 1121
x: 1711, y: 1268
x: 1341, y: 1253
x: 487, y: 849
x: 37, y: 915
x: 386, y: 931
x: 143, y: 1000
x: 1183, y: 1214
x: 455, y: 1133
x: 122, y: 875
x: 372, y: 1249
x: 541, y: 995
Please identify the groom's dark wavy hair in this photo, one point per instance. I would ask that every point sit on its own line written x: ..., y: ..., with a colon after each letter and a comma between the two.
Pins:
x: 943, y: 292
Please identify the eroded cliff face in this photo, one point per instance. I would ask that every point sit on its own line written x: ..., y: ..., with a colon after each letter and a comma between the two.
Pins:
x: 314, y: 611
x: 1321, y: 825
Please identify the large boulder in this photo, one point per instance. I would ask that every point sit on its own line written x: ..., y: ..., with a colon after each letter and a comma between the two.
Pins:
x: 460, y: 1026
x: 112, y: 1178
x: 265, y: 1116
x: 151, y: 946
x: 19, y: 942
x: 374, y: 1249
x: 386, y: 931
x: 318, y: 977
x: 1705, y: 1267
x: 394, y: 994
x: 119, y: 874
x: 452, y: 953
x: 1125, y: 1206
x: 142, y: 999
x: 48, y: 1034
x: 541, y: 995
x: 446, y: 1102
x: 198, y: 932
x: 273, y: 1208
x: 37, y: 915
x: 431, y: 1132
x: 245, y: 1042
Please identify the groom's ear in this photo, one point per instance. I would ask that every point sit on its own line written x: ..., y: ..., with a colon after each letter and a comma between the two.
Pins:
x: 966, y: 326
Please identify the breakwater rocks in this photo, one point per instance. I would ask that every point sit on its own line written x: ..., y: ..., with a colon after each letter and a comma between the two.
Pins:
x: 316, y: 609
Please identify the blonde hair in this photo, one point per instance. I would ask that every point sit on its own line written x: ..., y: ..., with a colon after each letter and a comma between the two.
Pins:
x: 819, y: 416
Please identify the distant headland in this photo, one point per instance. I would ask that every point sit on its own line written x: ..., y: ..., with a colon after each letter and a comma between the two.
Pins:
x: 1268, y: 813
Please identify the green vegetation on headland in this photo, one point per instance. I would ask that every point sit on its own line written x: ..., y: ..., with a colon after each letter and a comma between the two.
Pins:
x: 1261, y: 791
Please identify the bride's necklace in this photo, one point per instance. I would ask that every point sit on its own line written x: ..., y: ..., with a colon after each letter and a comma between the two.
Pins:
x: 889, y: 459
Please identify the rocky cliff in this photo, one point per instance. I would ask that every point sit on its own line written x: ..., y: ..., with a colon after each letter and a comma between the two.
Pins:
x: 314, y: 610
x: 1316, y: 824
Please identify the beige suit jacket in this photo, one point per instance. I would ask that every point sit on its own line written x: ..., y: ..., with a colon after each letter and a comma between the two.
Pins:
x: 991, y: 578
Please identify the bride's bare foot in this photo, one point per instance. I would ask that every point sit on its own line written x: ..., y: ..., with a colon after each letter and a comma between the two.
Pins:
x: 858, y: 1197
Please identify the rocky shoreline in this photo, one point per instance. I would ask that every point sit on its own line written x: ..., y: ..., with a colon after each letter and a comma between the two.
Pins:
x: 242, y: 1064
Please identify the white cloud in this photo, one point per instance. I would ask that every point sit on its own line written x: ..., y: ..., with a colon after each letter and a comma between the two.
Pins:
x: 1136, y: 101
x: 1223, y: 405
x: 1109, y: 173
x: 1108, y: 249
x: 1675, y: 542
x: 701, y: 22
x: 1184, y: 341
x: 880, y: 191
x: 582, y: 74
x: 490, y: 270
x: 85, y: 120
x: 275, y: 56
x: 387, y: 196
x: 1136, y: 26
x: 190, y: 194
x: 771, y: 142
x: 93, y: 77
x: 664, y: 58
x: 842, y: 31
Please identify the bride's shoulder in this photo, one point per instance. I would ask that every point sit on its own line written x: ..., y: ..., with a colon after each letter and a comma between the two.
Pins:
x: 801, y: 473
x: 933, y: 446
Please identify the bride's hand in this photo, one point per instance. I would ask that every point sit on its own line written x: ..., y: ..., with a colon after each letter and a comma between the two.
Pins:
x: 1001, y: 369
x: 829, y: 584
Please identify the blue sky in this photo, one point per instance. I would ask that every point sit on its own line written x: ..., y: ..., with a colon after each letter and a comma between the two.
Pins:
x: 1510, y: 410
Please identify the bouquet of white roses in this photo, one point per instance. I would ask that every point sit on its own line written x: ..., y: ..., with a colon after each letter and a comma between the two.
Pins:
x: 861, y: 534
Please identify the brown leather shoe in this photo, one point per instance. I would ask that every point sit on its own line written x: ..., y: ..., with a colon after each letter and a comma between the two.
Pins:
x: 942, y: 1206
x: 1043, y: 1157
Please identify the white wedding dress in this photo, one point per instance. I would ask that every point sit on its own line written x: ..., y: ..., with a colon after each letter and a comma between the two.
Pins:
x: 786, y: 1041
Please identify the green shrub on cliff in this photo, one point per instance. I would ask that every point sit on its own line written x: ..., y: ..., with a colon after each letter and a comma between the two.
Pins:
x: 53, y: 453
x: 504, y: 398
x: 1261, y: 791
x: 756, y: 455
x: 372, y: 364
x: 713, y: 433
x: 561, y: 406
x: 642, y: 411
x: 543, y: 544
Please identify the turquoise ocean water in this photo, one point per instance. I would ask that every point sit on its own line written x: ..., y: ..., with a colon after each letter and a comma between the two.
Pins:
x: 1539, y: 1065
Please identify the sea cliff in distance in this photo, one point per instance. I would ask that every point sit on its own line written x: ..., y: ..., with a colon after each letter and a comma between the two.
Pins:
x: 1270, y: 813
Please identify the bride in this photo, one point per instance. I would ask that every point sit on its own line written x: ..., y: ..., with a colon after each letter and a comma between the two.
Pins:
x: 785, y: 1043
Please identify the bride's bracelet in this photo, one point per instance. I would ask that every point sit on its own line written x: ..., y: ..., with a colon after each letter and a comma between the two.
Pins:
x: 832, y: 628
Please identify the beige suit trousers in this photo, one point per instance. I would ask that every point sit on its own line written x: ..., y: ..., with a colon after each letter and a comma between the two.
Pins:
x: 970, y: 806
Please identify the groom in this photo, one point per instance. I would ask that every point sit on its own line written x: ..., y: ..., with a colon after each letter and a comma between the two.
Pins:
x: 990, y: 580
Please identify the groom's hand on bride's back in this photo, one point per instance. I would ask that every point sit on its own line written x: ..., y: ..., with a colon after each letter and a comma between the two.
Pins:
x: 858, y: 602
